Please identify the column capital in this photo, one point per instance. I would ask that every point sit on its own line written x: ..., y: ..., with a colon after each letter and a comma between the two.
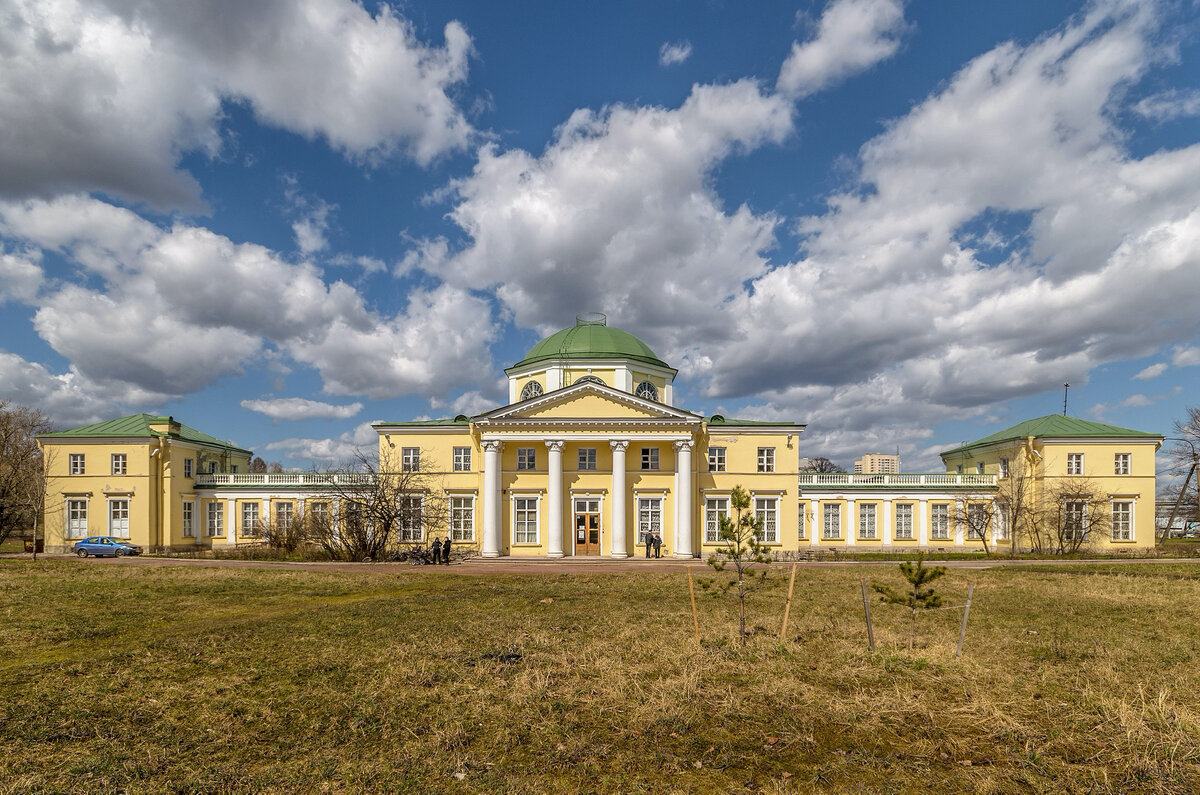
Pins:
x: 684, y: 444
x: 619, y: 444
x: 555, y: 445
x: 491, y: 445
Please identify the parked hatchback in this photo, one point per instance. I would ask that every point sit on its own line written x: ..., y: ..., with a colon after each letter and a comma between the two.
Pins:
x: 103, y: 545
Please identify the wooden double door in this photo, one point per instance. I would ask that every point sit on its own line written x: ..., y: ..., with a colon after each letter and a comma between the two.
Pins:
x: 587, y: 526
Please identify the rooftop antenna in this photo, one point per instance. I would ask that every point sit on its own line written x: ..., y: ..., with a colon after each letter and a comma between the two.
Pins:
x: 1066, y: 386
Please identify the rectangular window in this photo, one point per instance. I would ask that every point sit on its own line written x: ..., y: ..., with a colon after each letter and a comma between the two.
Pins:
x: 283, y: 514
x: 462, y: 518
x: 525, y: 520
x: 979, y: 468
x: 977, y: 520
x: 831, y: 520
x: 766, y: 511
x: 1003, y: 467
x: 1121, y: 464
x: 766, y: 459
x: 76, y: 518
x: 412, y: 517
x: 1074, y: 520
x: 319, y: 511
x: 1001, y: 522
x: 1074, y: 463
x: 866, y: 520
x: 249, y: 518
x: 526, y: 458
x: 1122, y: 521
x: 216, y: 519
x: 649, y: 458
x: 587, y: 459
x: 649, y: 514
x: 716, y: 459
x: 189, y: 520
x: 801, y: 525
x: 212, y: 467
x: 234, y: 469
x: 187, y: 467
x: 410, y: 459
x: 118, y: 518
x: 714, y: 509
x: 76, y: 463
x: 118, y: 463
x: 904, y: 520
x: 462, y: 459
x: 939, y: 521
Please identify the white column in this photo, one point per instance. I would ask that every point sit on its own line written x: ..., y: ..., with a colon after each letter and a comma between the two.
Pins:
x: 266, y: 510
x: 683, y: 498
x: 887, y: 521
x: 555, y: 490
x: 851, y: 524
x: 958, y: 525
x: 231, y: 521
x: 923, y: 524
x: 491, y: 499
x: 814, y: 530
x: 619, y: 544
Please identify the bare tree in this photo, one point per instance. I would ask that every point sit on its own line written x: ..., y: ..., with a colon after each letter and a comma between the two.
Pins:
x: 288, y: 532
x: 22, y: 470
x: 821, y: 464
x: 258, y: 465
x: 379, y: 506
x: 1074, y: 514
x: 1181, y: 477
x: 979, y: 514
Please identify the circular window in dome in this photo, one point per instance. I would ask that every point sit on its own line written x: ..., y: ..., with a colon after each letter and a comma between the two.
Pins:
x: 588, y: 379
x: 646, y: 390
x: 531, y: 390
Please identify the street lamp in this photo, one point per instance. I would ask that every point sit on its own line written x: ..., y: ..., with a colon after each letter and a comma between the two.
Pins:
x: 1183, y: 490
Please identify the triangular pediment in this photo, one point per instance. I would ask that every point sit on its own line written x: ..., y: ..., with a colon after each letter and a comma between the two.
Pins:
x: 586, y: 402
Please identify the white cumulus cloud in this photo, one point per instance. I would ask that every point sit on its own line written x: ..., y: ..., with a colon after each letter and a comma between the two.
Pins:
x: 301, y: 409
x: 851, y: 37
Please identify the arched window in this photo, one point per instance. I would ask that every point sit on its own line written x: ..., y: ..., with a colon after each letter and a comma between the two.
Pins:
x: 588, y: 379
x: 646, y: 390
x: 531, y: 390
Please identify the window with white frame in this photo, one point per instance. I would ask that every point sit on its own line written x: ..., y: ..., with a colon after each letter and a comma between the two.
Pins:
x: 979, y: 468
x: 216, y: 519
x: 714, y: 509
x: 1122, y: 520
x: 283, y: 514
x: 1003, y: 467
x: 802, y: 526
x: 187, y: 467
x: 410, y: 458
x: 118, y: 463
x: 1002, y: 518
x: 1074, y: 463
x: 319, y: 511
x: 1074, y: 520
x: 462, y: 459
x: 904, y: 520
x: 939, y: 521
x: 649, y: 458
x: 1121, y: 464
x: 831, y: 520
x: 587, y: 459
x: 249, y: 518
x: 977, y: 520
x: 188, y: 517
x: 716, y: 459
x: 118, y: 518
x: 77, y: 518
x: 462, y: 518
x: 526, y: 458
x: 766, y: 459
x: 866, y: 520
x: 525, y: 520
x: 75, y: 463
x: 212, y: 467
x: 412, y: 517
x: 766, y: 511
x: 234, y: 469
x: 649, y: 515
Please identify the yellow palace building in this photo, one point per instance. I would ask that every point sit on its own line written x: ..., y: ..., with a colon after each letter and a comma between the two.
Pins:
x: 591, y: 454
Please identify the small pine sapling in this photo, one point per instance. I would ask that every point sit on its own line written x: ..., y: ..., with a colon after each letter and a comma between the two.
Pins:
x: 920, y: 597
x: 740, y: 549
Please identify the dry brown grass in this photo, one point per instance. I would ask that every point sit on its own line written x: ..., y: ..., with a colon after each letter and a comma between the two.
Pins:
x: 189, y: 680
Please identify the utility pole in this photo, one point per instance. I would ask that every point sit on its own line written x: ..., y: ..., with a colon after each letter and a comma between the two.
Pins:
x: 1066, y: 386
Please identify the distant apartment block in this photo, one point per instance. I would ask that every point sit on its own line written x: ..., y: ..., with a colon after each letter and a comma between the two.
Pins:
x: 877, y: 464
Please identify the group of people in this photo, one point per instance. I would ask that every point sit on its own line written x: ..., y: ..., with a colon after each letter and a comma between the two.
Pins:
x: 440, y: 550
x: 654, y: 542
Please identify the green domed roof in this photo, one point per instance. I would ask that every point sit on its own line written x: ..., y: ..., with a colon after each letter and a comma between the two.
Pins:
x: 591, y: 339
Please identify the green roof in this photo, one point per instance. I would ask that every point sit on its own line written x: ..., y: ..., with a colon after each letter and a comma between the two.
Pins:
x: 591, y: 340
x: 461, y: 419
x: 1053, y: 426
x: 718, y: 419
x: 138, y: 426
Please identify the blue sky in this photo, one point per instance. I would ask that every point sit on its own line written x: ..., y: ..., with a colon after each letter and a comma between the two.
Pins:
x: 905, y: 224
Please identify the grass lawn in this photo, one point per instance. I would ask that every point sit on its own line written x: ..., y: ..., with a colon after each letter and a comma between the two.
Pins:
x: 124, y: 678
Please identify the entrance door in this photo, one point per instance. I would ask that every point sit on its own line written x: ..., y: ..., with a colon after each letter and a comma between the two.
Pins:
x: 587, y: 527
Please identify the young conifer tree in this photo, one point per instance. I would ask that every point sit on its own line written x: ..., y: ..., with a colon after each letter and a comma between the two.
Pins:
x: 920, y: 597
x: 740, y: 549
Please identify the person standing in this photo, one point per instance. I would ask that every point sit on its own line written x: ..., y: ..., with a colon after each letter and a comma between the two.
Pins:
x: 436, y: 549
x: 446, y: 551
x: 657, y: 545
x: 649, y: 542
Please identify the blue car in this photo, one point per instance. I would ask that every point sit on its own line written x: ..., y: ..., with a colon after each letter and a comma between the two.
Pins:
x: 103, y: 545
